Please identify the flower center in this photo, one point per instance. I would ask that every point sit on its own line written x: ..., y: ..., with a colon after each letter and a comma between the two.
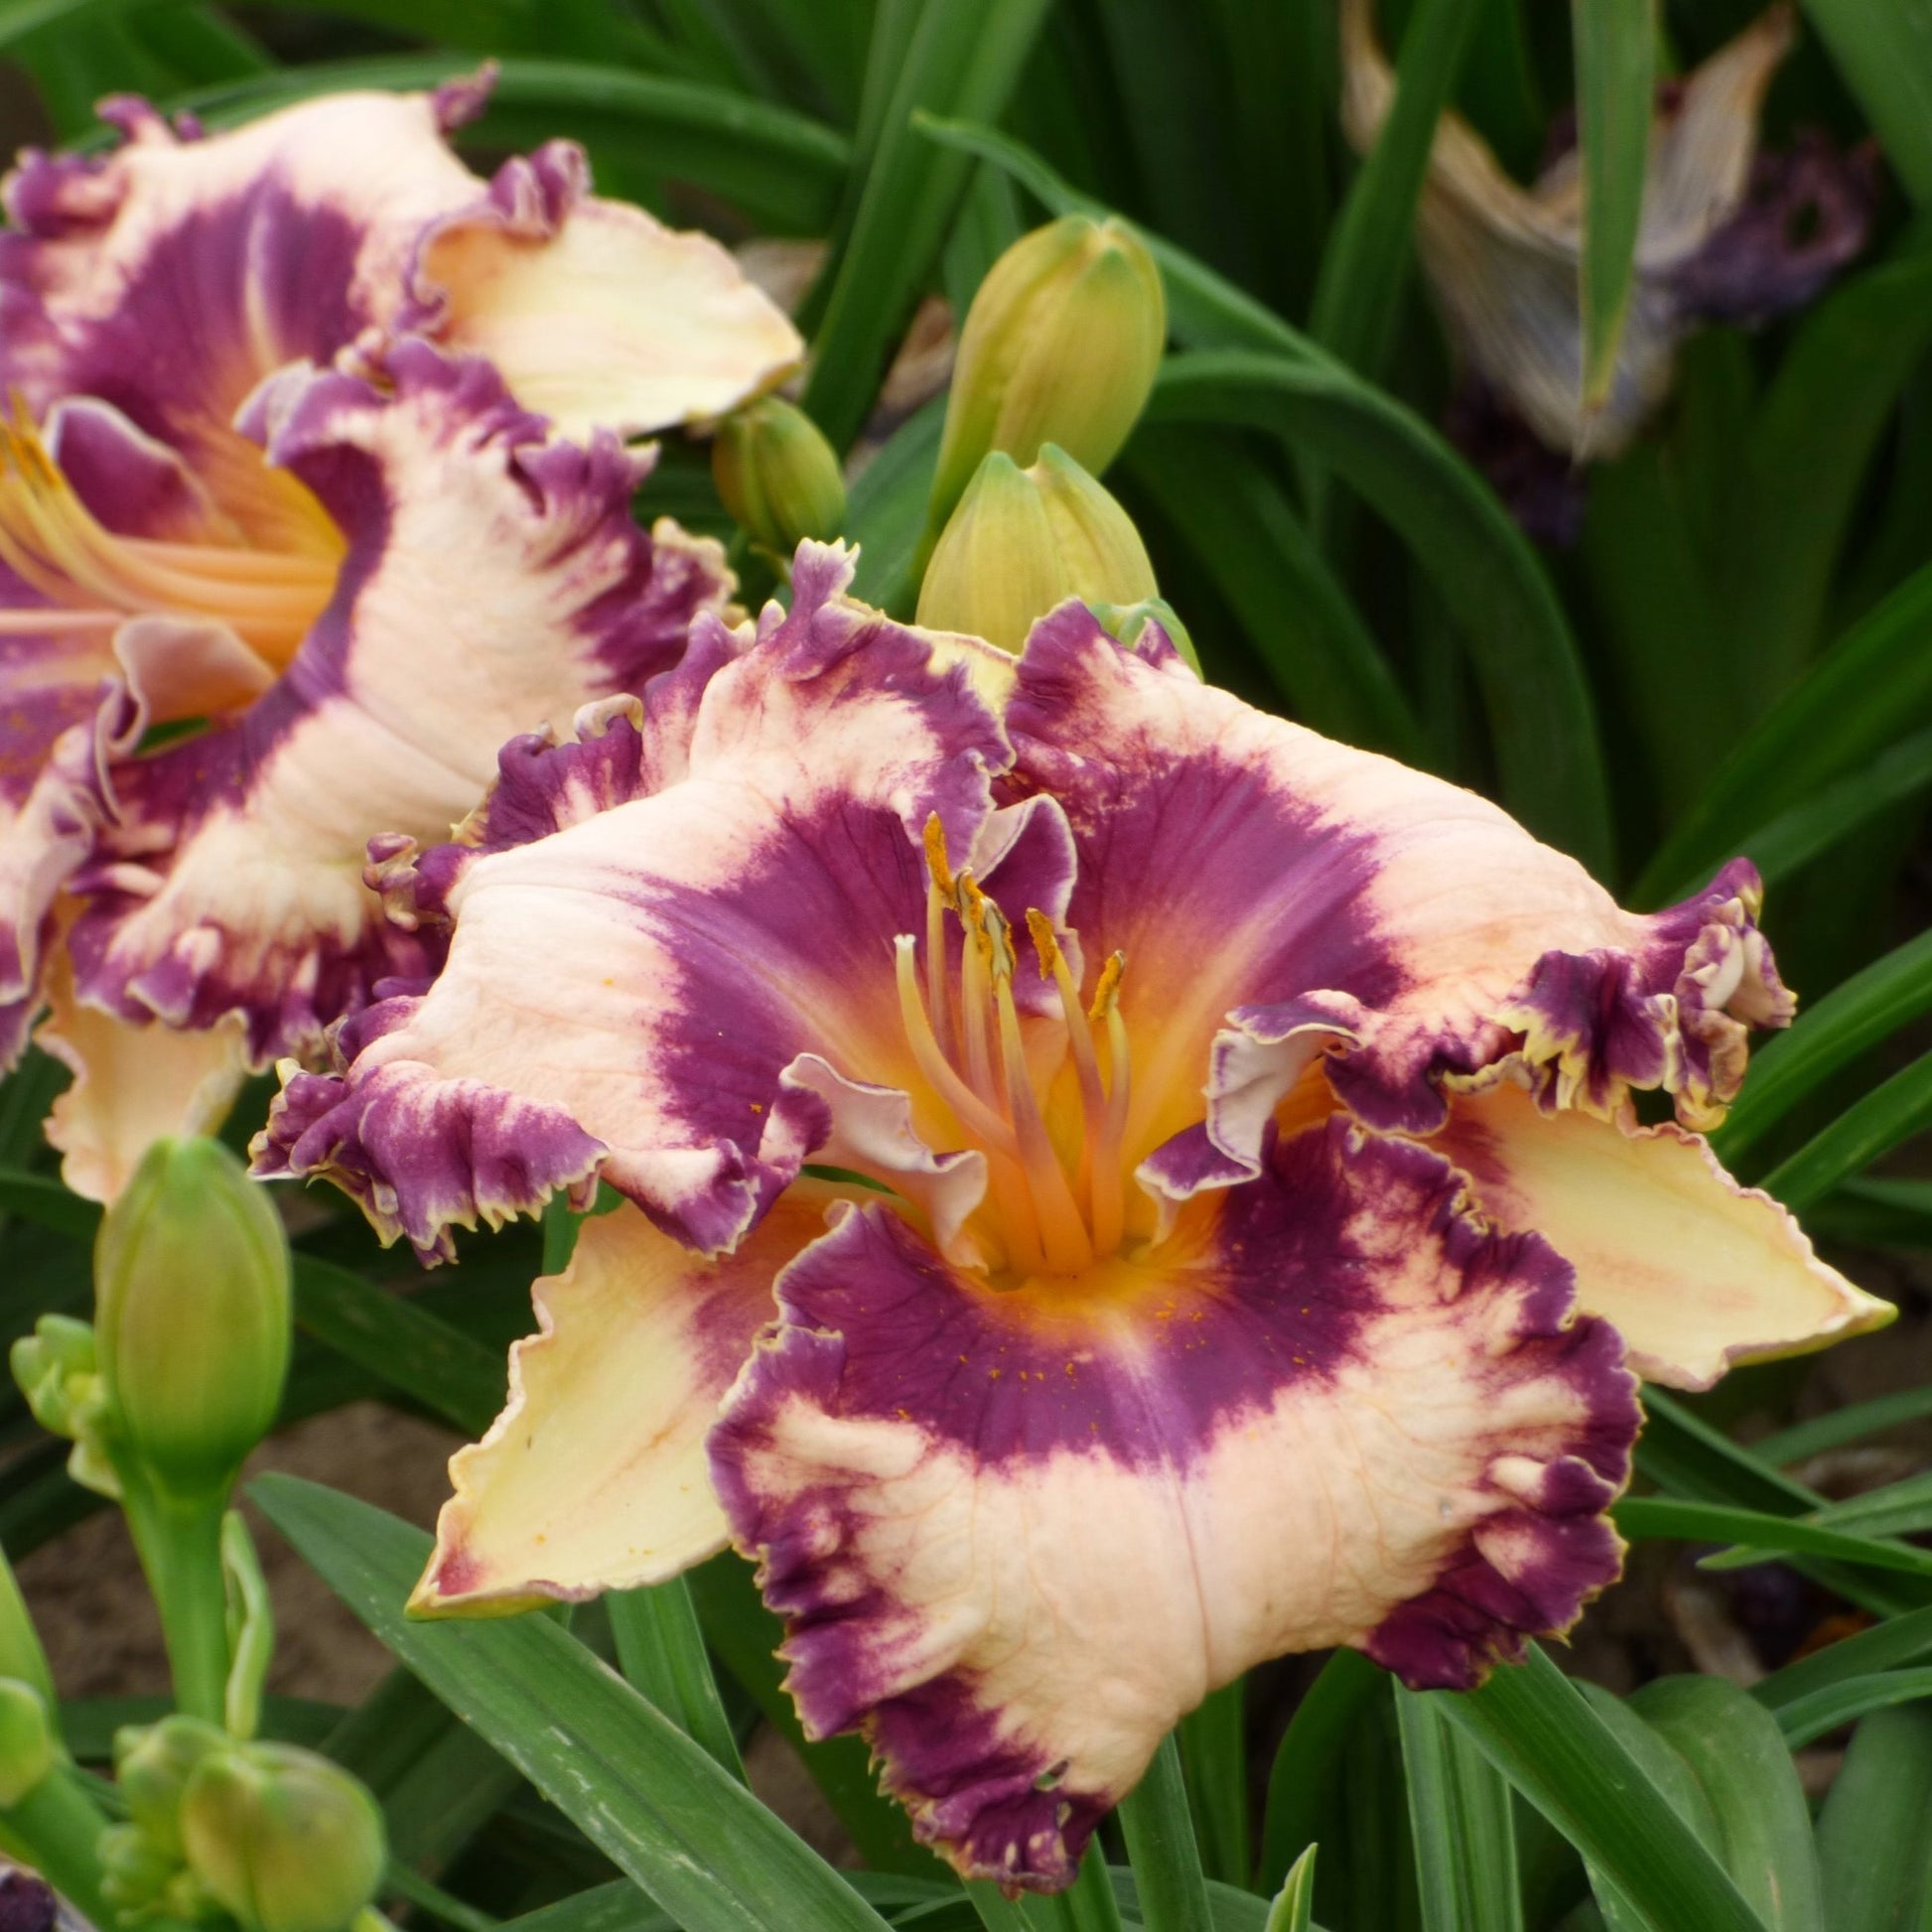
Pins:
x: 97, y: 579
x: 1057, y: 1215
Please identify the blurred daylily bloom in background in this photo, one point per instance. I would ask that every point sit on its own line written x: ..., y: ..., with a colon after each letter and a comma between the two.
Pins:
x: 1726, y: 235
x: 312, y: 491
x: 1117, y: 1188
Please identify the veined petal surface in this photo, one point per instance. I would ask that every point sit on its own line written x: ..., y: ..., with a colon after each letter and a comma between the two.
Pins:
x: 1697, y: 1274
x: 595, y: 1476
x: 1015, y: 1536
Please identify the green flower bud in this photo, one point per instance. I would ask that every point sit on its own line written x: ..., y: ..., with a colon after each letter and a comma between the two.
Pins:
x: 141, y: 1879
x: 152, y: 1766
x: 1061, y: 346
x: 57, y: 1374
x: 777, y: 475
x: 1023, y: 541
x: 283, y: 1839
x: 28, y: 1751
x: 192, y: 1315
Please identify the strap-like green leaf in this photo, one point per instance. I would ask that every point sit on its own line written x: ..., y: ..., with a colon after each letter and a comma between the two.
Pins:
x: 407, y: 1348
x: 1214, y: 1755
x: 1872, y: 1125
x: 1615, y: 57
x: 1871, y: 689
x: 1885, y: 52
x: 1874, y: 1834
x: 1846, y: 1425
x: 1365, y: 266
x: 653, y: 1801
x: 1305, y: 1761
x: 1850, y: 1021
x: 1293, y: 1906
x: 1659, y: 1516
x: 1301, y: 622
x: 963, y: 57
x: 1895, y: 1641
x: 660, y: 1649
x: 1160, y: 1829
x: 1541, y: 717
x: 1742, y: 1762
x: 1536, y: 1728
x: 778, y: 165
x: 1465, y: 1834
x: 1807, y: 1718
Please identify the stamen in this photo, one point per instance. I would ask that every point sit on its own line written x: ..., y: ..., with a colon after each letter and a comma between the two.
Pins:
x: 1062, y: 1232
x: 975, y: 1001
x: 1079, y: 1034
x: 975, y: 1116
x: 1017, y: 1223
x: 939, y: 891
x: 1109, y: 1207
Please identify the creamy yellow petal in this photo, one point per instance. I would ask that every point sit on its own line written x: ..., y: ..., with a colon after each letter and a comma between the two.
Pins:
x: 1698, y: 1273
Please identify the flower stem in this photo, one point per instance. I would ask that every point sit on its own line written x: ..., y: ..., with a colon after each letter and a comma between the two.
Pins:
x: 180, y: 1546
x: 58, y: 1828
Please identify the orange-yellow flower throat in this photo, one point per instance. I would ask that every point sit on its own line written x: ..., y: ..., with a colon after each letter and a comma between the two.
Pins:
x: 1050, y: 1220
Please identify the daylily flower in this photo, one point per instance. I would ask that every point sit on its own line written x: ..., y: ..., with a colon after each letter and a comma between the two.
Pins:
x: 283, y: 470
x: 1118, y: 1187
x: 1720, y: 237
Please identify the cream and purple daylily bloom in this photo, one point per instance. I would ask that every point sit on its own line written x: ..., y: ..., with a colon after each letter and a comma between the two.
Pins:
x: 1254, y: 1239
x: 313, y: 453
x: 1717, y: 241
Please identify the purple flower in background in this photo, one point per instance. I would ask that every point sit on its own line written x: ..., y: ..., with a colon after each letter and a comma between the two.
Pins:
x: 1726, y: 236
x: 311, y: 493
x: 1116, y: 1187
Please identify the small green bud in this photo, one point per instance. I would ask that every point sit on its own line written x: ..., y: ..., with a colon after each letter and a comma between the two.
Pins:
x: 152, y: 1766
x: 58, y: 1374
x: 28, y: 1751
x: 777, y: 475
x: 145, y: 1881
x: 283, y: 1839
x: 1023, y: 541
x: 1061, y: 346
x: 192, y: 1315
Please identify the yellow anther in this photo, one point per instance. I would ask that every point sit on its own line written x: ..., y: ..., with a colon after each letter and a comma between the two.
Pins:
x: 1046, y: 946
x: 1106, y: 996
x: 935, y: 856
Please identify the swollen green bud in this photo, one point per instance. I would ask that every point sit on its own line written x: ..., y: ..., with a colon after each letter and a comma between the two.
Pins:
x: 192, y: 1315
x: 152, y: 1766
x: 28, y: 1751
x: 1061, y: 346
x: 1023, y: 541
x: 58, y: 1374
x: 777, y: 475
x: 284, y: 1839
